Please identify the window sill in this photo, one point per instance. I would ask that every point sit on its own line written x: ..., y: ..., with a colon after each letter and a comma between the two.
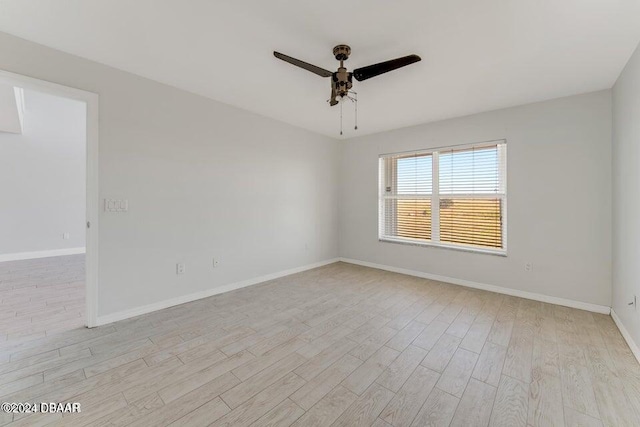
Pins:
x: 495, y: 252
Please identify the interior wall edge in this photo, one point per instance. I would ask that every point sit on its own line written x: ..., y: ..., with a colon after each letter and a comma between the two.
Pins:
x: 625, y: 201
x: 626, y: 335
x: 595, y: 308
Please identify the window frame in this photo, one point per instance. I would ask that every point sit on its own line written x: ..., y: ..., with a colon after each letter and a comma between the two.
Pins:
x: 436, y: 197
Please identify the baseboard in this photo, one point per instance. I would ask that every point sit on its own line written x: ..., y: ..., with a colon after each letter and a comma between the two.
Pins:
x: 626, y: 335
x: 126, y: 314
x: 41, y: 254
x: 493, y: 288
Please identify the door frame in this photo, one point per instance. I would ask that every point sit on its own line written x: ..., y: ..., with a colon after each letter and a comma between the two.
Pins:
x: 92, y: 190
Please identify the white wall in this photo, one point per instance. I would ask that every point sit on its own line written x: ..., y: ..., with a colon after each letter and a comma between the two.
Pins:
x: 42, y: 172
x: 626, y: 195
x: 559, y: 204
x: 203, y: 179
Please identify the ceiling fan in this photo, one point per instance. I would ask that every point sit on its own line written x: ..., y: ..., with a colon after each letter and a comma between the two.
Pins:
x: 341, y: 80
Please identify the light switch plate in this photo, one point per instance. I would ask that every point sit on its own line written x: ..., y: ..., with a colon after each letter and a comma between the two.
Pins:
x: 112, y: 205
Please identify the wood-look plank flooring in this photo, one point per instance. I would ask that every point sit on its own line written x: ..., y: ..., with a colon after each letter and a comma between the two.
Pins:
x: 341, y: 345
x: 41, y: 297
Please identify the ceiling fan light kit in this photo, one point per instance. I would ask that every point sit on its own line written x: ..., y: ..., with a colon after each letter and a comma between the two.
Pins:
x: 342, y: 80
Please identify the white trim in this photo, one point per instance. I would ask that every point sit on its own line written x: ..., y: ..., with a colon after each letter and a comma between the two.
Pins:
x: 428, y: 243
x: 93, y: 201
x: 19, y: 95
x: 462, y: 146
x: 388, y: 169
x: 435, y: 197
x: 626, y: 335
x: 603, y: 309
x: 40, y: 254
x: 126, y: 314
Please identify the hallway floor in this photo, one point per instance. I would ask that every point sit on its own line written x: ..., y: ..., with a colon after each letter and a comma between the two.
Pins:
x: 41, y: 297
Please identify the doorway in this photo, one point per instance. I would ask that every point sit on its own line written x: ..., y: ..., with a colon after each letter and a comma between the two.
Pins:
x: 51, y: 274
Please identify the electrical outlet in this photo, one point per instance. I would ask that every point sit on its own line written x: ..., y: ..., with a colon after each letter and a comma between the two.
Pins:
x: 216, y: 261
x: 180, y: 268
x: 65, y: 236
x: 528, y: 266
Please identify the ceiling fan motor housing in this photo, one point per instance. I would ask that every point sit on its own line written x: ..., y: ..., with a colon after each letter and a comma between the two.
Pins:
x: 342, y: 52
x: 342, y: 81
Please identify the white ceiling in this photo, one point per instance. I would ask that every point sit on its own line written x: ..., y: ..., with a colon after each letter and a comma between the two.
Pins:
x: 477, y: 55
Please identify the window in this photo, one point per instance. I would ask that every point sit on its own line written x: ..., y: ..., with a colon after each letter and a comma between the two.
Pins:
x: 451, y: 197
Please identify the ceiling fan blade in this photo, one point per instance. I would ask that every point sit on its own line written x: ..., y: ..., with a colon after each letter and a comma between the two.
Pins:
x: 309, y: 67
x: 367, y: 72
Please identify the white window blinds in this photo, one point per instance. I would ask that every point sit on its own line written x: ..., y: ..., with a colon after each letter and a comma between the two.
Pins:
x: 447, y: 197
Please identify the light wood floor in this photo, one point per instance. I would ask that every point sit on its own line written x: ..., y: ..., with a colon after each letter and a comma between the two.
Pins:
x: 40, y: 297
x: 341, y: 345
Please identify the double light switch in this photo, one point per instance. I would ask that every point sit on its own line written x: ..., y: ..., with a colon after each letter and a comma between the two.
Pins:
x: 111, y: 205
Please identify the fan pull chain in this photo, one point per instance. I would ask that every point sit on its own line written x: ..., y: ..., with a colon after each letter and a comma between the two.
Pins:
x: 356, y: 98
x: 341, y: 117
